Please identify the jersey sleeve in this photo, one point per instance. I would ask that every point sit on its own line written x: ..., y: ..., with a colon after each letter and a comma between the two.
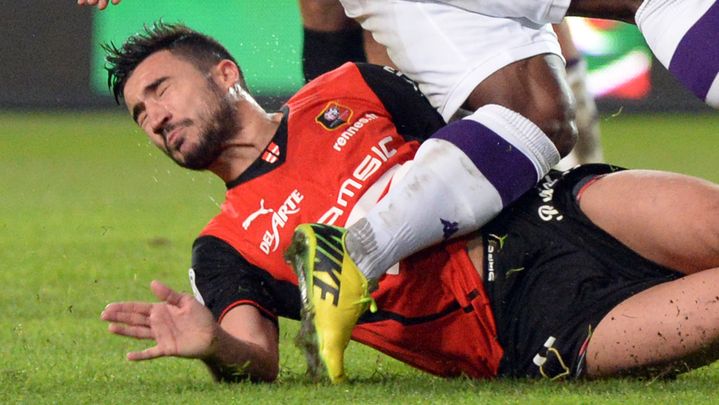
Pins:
x: 411, y: 112
x: 223, y: 279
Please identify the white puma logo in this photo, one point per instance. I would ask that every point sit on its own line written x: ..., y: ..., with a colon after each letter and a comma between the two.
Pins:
x: 261, y: 211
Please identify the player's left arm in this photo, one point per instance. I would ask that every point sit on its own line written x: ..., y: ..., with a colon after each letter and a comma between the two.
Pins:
x: 411, y: 112
x: 245, y: 301
x: 246, y: 345
x: 243, y: 345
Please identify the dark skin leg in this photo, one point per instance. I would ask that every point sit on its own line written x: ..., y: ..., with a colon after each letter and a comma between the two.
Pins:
x: 536, y: 88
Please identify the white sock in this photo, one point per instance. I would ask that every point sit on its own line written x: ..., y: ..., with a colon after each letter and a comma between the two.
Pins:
x: 460, y: 179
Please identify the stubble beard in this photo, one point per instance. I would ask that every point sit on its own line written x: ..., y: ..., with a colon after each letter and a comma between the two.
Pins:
x: 216, y: 128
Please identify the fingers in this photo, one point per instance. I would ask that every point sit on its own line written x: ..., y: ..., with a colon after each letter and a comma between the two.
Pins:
x: 137, y: 332
x: 117, y: 311
x: 165, y: 293
x: 147, y: 354
x: 111, y: 310
x: 131, y: 319
x: 101, y: 4
x: 98, y: 3
x: 128, y: 318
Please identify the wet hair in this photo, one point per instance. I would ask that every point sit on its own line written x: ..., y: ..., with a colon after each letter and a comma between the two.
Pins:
x: 199, y: 49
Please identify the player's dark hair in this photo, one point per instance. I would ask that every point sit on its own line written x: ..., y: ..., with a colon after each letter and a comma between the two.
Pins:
x: 199, y: 49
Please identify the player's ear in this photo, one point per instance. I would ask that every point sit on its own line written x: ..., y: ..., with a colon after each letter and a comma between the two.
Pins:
x: 226, y: 73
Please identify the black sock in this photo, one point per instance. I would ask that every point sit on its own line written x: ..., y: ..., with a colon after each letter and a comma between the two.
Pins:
x: 324, y: 51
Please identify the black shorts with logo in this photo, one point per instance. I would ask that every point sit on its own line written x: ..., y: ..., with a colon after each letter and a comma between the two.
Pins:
x: 551, y: 276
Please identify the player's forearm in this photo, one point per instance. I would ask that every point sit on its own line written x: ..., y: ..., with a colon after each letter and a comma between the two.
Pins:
x: 232, y: 360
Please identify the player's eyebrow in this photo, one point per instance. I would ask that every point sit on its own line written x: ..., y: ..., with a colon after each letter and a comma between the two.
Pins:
x: 140, y: 107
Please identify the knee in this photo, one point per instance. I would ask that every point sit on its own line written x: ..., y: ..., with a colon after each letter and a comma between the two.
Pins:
x: 557, y: 120
x: 702, y: 230
x: 537, y: 89
x: 548, y: 101
x: 709, y: 233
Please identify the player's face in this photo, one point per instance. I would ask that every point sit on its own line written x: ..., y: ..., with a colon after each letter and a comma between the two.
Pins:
x: 182, y: 110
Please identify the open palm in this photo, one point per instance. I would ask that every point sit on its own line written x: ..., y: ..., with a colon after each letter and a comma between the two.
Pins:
x: 179, y: 325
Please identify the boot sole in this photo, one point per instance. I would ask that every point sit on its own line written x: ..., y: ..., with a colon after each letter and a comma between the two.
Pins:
x: 307, y: 339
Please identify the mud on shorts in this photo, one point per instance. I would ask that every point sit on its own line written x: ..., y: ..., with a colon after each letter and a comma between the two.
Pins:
x: 552, y: 276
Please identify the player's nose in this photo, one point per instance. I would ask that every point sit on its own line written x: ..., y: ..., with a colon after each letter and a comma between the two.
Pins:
x: 159, y: 116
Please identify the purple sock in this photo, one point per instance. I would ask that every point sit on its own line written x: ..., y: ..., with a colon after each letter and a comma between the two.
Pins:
x: 684, y: 36
x: 509, y: 170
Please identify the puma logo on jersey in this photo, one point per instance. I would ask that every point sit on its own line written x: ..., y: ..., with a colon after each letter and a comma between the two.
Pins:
x: 261, y: 211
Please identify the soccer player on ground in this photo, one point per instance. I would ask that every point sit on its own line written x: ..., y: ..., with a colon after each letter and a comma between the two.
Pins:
x: 502, y: 61
x: 514, y: 79
x: 582, y: 276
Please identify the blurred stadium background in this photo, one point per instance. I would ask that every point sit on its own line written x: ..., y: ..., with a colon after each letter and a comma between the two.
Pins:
x: 51, y: 58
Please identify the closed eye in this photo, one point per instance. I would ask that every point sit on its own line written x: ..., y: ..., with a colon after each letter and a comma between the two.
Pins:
x: 162, y: 91
x: 151, y: 88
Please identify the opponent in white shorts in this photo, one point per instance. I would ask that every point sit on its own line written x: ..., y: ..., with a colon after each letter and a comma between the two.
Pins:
x: 501, y: 61
x: 449, y: 50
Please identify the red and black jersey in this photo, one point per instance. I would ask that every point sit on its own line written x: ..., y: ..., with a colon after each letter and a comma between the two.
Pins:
x: 342, y: 138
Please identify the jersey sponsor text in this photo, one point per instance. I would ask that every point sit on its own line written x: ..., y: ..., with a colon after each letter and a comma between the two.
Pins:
x: 372, y: 162
x: 352, y: 130
x: 271, y: 238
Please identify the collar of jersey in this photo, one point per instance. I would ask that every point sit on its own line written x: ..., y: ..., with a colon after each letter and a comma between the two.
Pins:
x: 260, y: 166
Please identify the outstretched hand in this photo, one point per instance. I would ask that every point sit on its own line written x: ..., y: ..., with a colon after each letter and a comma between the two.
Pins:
x: 101, y: 4
x: 179, y: 325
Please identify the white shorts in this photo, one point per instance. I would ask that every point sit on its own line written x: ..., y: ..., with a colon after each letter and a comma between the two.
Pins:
x: 449, y: 50
x: 538, y: 11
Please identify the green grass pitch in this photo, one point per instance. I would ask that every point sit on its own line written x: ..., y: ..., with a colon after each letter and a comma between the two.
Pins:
x: 90, y: 213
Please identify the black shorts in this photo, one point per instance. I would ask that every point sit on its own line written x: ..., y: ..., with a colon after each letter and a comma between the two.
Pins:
x: 551, y: 276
